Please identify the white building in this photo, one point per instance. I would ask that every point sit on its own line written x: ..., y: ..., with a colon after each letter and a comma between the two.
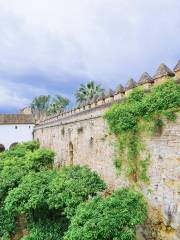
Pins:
x: 15, y: 128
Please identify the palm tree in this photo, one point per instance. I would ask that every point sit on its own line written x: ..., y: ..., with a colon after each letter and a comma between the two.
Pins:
x: 88, y: 91
x: 40, y: 104
x: 58, y: 104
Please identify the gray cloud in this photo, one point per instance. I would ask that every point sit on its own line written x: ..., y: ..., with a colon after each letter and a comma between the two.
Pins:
x: 52, y: 46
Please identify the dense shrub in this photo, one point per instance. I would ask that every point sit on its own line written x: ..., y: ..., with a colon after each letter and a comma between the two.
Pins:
x: 41, y: 159
x: 7, y: 223
x: 13, y: 169
x: 19, y: 150
x: 52, y: 193
x: 114, y: 217
x: 71, y: 186
x: 15, y: 164
x: 46, y: 227
x: 45, y: 200
x: 31, y: 193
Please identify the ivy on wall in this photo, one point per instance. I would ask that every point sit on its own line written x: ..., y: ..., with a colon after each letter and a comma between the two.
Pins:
x: 141, y: 113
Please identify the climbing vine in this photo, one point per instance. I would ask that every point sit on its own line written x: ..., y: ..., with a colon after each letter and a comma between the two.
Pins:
x: 138, y: 114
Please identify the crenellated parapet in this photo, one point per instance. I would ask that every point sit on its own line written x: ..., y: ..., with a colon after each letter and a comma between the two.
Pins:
x: 162, y: 74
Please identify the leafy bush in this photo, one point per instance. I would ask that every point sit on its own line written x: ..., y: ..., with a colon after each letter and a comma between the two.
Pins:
x: 28, y: 146
x: 7, y: 223
x: 50, y: 195
x: 41, y: 159
x: 47, y: 228
x: 71, y: 186
x: 58, y: 189
x: 15, y: 164
x: 12, y: 172
x: 13, y: 169
x: 44, y: 200
x: 19, y: 150
x: 31, y: 193
x: 141, y: 112
x: 114, y: 217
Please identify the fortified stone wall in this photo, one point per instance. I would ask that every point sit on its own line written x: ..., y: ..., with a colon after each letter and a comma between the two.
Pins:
x: 80, y: 136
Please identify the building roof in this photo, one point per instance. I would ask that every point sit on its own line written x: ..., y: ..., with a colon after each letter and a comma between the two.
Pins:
x: 163, y: 70
x: 16, y: 119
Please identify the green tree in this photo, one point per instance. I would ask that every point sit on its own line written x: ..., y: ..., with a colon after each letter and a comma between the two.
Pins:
x: 58, y: 104
x: 40, y: 103
x: 72, y: 186
x: 114, y: 217
x: 88, y: 91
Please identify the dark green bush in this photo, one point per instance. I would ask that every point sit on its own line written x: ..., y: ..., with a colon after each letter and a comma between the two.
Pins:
x: 71, y: 186
x: 49, y: 195
x: 28, y: 146
x: 41, y: 159
x: 13, y: 169
x: 114, y: 217
x: 31, y: 193
x: 45, y: 200
x: 44, y: 228
x: 15, y: 164
x: 7, y: 223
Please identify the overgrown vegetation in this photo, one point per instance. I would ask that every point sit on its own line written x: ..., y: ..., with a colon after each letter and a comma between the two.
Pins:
x: 140, y: 113
x: 113, y: 217
x: 38, y: 202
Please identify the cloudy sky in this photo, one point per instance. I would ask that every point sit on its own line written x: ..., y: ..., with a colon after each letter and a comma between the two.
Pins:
x: 51, y: 46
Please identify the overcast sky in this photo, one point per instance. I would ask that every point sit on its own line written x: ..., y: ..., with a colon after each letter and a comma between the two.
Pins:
x: 51, y: 46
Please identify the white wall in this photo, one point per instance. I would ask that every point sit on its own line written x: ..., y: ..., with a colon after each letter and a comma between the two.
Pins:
x: 10, y: 134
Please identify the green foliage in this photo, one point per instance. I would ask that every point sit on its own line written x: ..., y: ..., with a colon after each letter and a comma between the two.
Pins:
x: 47, y: 229
x: 87, y: 91
x: 31, y: 193
x: 49, y: 104
x: 141, y: 112
x: 40, y: 103
x: 58, y: 104
x: 52, y: 194
x: 43, y: 202
x: 114, y: 217
x: 71, y: 186
x: 41, y: 158
x: 13, y: 168
x: 19, y: 150
x: 15, y: 164
x: 7, y: 223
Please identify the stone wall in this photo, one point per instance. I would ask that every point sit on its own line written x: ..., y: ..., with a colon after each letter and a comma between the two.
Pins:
x: 80, y: 136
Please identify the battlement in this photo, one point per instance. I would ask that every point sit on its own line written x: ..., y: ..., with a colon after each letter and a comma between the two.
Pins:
x: 105, y: 99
